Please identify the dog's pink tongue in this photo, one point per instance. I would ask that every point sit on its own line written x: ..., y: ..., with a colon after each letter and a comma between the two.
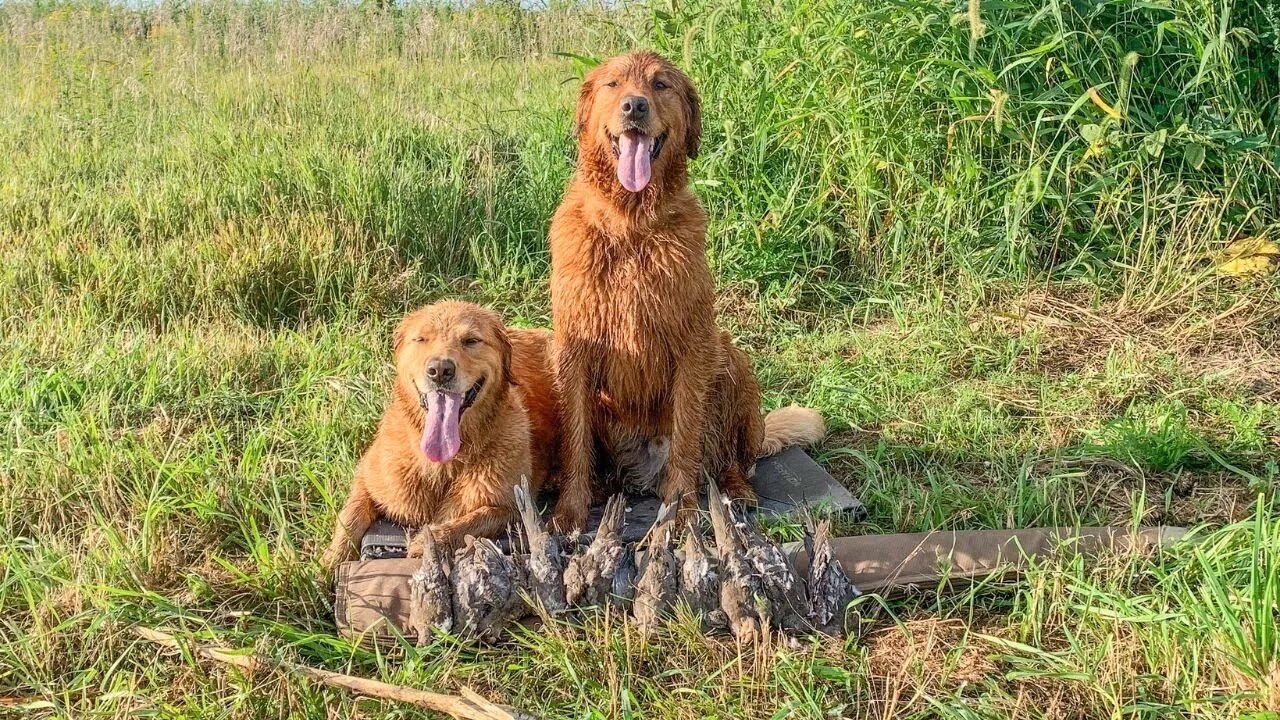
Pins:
x: 634, y: 162
x: 441, y: 438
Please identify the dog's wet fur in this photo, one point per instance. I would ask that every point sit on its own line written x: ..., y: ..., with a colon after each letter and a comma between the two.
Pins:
x: 508, y: 430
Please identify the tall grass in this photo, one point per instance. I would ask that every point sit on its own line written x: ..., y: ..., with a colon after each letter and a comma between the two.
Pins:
x: 850, y: 146
x: 279, y: 162
x: 904, y: 138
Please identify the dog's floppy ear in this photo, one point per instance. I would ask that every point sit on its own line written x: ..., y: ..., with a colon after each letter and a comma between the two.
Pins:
x: 397, y: 335
x: 401, y: 333
x: 586, y: 98
x: 503, y: 342
x: 693, y: 119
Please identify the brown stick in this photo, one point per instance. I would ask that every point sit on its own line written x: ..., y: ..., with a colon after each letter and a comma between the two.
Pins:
x: 468, y: 707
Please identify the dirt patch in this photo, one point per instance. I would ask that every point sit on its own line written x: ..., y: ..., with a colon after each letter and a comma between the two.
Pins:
x: 1238, y: 344
x: 928, y: 655
x: 1182, y: 498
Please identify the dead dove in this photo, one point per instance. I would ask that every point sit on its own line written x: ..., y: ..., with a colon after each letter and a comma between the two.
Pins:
x: 623, y: 587
x: 589, y: 575
x: 657, y: 588
x: 544, y: 566
x: 430, y: 596
x: 699, y: 578
x: 742, y: 597
x: 830, y: 589
x: 788, y: 602
x: 486, y: 589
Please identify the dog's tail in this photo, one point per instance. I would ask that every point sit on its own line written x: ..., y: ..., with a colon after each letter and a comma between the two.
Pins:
x: 791, y: 425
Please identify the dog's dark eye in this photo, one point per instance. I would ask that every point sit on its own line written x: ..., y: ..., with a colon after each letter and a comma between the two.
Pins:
x: 471, y: 341
x: 611, y: 83
x: 660, y: 85
x: 419, y: 339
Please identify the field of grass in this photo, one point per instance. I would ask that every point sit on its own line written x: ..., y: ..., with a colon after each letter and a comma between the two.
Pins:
x: 979, y: 237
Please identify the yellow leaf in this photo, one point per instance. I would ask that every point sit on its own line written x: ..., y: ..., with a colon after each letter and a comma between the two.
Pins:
x: 1102, y: 104
x: 1247, y: 266
x: 1249, y: 256
x: 1251, y: 246
x: 790, y: 66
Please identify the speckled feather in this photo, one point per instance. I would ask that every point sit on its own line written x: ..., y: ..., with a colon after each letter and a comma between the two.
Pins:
x: 699, y: 578
x: 589, y: 575
x: 830, y: 589
x: 486, y: 590
x: 544, y: 565
x: 742, y: 596
x: 788, y: 601
x: 658, y: 586
x: 430, y: 595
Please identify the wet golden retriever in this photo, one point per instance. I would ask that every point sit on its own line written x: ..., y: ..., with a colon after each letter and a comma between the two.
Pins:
x: 641, y: 369
x: 472, y: 412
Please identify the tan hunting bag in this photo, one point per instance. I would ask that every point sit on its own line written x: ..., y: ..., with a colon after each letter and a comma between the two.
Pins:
x: 372, y: 596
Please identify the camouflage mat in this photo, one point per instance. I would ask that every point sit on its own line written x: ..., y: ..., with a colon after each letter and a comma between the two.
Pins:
x: 787, y: 482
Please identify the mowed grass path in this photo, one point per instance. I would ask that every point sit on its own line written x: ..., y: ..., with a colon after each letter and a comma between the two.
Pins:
x: 205, y: 238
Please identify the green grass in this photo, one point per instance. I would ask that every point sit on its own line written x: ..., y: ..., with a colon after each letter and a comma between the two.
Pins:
x: 211, y: 215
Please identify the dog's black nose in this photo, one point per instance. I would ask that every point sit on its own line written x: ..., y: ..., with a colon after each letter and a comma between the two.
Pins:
x: 441, y: 370
x: 635, y: 107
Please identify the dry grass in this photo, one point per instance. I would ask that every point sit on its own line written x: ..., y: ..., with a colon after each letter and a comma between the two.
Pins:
x: 1077, y: 332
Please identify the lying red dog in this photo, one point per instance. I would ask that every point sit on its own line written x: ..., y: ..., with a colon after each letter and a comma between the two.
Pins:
x: 472, y: 413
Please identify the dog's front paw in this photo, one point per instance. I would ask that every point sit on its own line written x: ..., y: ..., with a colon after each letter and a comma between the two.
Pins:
x: 329, y: 562
x: 737, y: 489
x: 569, y: 517
x: 444, y: 537
x: 337, y: 553
x: 687, y: 514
